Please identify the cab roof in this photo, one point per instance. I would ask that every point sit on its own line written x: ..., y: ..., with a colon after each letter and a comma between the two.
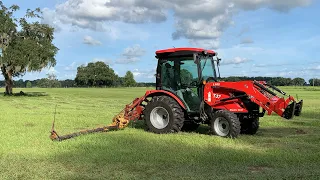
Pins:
x: 183, y: 51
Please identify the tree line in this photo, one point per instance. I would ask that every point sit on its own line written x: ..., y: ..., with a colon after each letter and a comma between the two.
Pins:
x: 95, y: 74
x: 68, y: 83
x: 128, y: 81
x: 277, y: 81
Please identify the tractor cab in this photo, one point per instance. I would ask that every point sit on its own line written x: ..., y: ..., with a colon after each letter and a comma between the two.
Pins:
x: 182, y: 72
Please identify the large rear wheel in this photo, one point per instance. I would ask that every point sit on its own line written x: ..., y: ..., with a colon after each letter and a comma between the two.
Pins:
x: 225, y: 124
x: 163, y: 115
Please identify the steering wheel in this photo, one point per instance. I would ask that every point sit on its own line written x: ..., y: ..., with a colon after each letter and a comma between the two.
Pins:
x: 194, y: 83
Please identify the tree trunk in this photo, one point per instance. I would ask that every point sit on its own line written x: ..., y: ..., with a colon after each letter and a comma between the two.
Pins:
x: 9, y: 85
x: 8, y: 81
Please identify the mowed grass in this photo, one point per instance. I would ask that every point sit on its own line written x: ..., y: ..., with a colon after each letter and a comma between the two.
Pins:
x: 282, y: 149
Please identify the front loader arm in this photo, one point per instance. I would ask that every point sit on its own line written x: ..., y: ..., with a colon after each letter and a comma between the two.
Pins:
x: 258, y: 93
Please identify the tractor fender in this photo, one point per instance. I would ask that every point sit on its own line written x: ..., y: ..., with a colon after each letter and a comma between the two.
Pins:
x: 152, y: 93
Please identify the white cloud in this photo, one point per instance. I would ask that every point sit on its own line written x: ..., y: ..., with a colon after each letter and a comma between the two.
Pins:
x: 246, y: 41
x: 131, y: 54
x: 71, y: 67
x: 105, y: 60
x: 207, y: 44
x: 238, y: 49
x: 123, y: 31
x: 149, y: 74
x: 133, y: 51
x: 315, y: 68
x: 127, y: 60
x: 67, y: 76
x: 236, y: 60
x: 282, y: 6
x: 244, y: 30
x: 293, y: 74
x: 136, y: 72
x: 201, y: 22
x: 90, y: 41
x: 50, y: 18
x: 84, y: 11
x: 260, y: 65
x: 51, y: 70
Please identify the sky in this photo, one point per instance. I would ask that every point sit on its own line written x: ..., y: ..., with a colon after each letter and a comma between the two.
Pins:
x: 252, y: 37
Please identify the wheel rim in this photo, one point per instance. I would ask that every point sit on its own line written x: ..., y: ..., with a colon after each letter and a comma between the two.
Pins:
x: 221, y: 126
x: 159, y: 117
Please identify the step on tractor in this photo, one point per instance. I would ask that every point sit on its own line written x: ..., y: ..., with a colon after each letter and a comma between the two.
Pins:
x: 189, y: 93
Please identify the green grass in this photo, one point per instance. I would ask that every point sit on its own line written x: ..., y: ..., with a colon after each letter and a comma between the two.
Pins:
x: 282, y: 149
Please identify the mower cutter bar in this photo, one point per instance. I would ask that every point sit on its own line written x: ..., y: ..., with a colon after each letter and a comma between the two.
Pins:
x: 55, y: 137
x: 118, y: 122
x: 131, y: 112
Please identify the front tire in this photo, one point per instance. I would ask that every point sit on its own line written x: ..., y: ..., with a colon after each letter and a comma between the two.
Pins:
x: 225, y: 124
x: 163, y: 115
x: 249, y: 126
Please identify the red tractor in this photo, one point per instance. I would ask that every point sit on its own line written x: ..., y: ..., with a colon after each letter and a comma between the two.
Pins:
x: 188, y: 93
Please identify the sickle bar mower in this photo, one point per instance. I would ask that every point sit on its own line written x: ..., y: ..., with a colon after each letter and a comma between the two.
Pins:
x: 131, y: 112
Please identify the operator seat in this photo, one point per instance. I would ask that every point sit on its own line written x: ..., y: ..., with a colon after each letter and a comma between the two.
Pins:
x: 192, y: 99
x: 167, y: 81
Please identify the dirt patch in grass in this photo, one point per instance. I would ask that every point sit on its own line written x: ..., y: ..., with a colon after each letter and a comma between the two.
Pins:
x: 300, y: 131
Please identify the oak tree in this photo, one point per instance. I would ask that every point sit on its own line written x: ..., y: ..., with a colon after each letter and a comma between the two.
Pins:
x: 95, y: 74
x: 298, y: 81
x: 26, y: 49
x: 129, y: 79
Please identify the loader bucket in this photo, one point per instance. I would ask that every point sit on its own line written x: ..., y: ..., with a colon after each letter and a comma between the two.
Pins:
x: 298, y: 108
x: 290, y: 111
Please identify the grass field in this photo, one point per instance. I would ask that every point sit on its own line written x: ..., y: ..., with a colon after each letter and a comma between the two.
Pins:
x: 281, y: 149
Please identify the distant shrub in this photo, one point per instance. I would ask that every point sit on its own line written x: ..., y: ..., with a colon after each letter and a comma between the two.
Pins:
x: 29, y: 84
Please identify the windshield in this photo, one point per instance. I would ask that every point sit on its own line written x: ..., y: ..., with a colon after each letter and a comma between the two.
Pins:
x: 181, y: 72
x: 207, y: 67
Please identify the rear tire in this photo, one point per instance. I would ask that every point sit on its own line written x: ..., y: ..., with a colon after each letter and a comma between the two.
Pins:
x: 163, y: 115
x: 225, y: 124
x: 249, y: 126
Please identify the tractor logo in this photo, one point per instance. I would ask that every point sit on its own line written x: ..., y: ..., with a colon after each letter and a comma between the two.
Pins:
x: 217, y: 96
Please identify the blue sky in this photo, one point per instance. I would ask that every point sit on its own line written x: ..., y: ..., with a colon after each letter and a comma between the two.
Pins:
x: 253, y: 38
